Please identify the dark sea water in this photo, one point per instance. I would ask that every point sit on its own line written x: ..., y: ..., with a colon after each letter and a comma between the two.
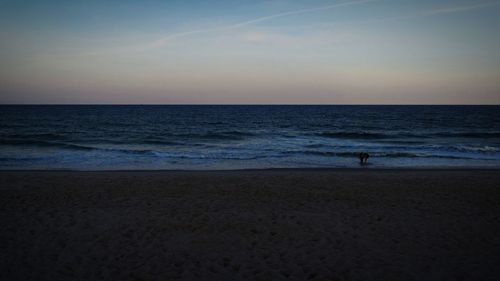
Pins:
x: 240, y: 137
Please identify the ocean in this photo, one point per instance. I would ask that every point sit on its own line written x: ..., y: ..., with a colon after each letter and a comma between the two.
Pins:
x: 198, y: 137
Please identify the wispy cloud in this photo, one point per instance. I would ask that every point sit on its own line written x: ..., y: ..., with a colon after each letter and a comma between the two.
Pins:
x: 434, y: 12
x: 417, y: 15
x: 298, y: 12
x: 162, y: 41
x: 253, y: 38
x: 460, y: 9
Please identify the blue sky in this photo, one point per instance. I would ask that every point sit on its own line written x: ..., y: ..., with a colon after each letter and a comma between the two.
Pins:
x: 277, y: 51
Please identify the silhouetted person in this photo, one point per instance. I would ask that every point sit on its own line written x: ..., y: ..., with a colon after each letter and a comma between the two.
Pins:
x: 363, y: 158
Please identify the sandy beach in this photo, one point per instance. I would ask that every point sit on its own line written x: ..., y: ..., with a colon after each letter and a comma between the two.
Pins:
x: 250, y: 225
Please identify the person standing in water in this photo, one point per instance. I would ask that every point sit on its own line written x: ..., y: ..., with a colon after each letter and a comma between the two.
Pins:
x: 363, y: 158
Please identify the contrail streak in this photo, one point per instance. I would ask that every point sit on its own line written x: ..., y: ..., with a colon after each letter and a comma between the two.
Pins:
x: 429, y: 13
x: 298, y: 12
x: 164, y: 40
x: 459, y: 9
x: 422, y: 14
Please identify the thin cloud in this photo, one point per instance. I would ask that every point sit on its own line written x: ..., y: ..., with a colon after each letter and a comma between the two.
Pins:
x: 434, y: 12
x: 460, y: 9
x: 160, y: 42
x: 164, y: 40
x: 298, y: 12
x: 428, y: 13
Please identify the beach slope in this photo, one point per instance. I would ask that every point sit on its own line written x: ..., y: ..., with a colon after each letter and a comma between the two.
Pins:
x: 250, y: 225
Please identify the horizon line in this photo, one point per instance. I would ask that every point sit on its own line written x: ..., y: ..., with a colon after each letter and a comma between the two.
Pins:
x: 247, y: 104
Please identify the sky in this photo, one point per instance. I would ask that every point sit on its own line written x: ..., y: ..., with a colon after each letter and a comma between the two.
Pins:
x: 250, y: 52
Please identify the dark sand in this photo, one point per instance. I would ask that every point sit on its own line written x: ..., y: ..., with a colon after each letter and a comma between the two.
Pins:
x: 251, y: 225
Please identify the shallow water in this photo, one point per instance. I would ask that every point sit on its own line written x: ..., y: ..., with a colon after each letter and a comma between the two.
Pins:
x: 94, y: 137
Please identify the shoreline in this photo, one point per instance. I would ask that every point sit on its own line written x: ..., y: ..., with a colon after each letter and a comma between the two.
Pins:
x: 319, y: 169
x: 264, y: 170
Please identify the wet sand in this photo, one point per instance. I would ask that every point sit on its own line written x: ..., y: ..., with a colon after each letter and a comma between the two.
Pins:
x: 250, y: 225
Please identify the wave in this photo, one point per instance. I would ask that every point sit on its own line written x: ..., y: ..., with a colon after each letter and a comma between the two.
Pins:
x: 369, y: 135
x: 355, y: 154
x: 209, y: 156
x: 479, y: 135
x: 133, y: 142
x: 52, y: 139
x: 150, y: 152
x: 353, y: 135
x: 55, y: 141
x: 159, y: 142
x: 69, y: 146
x: 389, y: 155
x: 316, y: 145
x: 229, y: 135
x: 22, y: 159
x: 42, y: 143
x: 402, y: 142
x: 482, y: 149
x: 402, y: 135
x: 42, y: 136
